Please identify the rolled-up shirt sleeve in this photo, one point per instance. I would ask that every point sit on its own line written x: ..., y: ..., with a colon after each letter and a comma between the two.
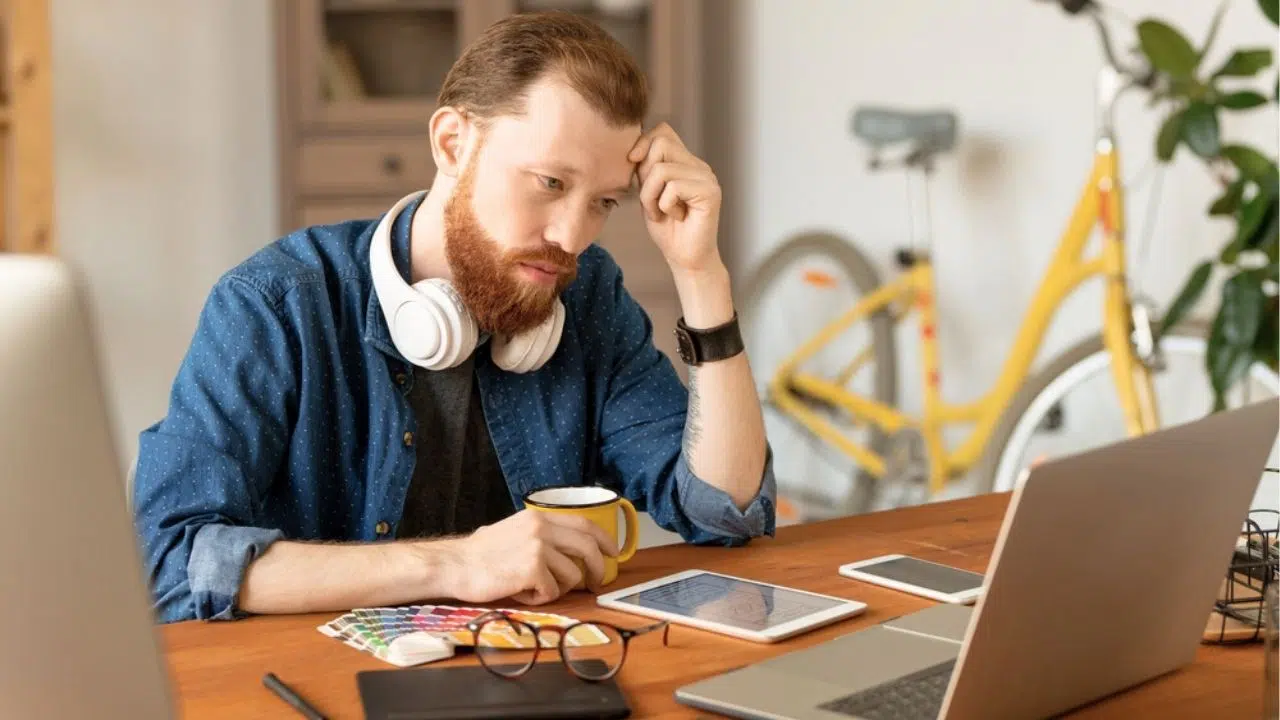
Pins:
x: 712, y: 510
x: 215, y: 568
x: 642, y: 427
x: 204, y: 468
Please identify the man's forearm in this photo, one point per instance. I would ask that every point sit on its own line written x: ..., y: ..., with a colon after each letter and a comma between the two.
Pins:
x: 724, y: 439
x: 299, y: 577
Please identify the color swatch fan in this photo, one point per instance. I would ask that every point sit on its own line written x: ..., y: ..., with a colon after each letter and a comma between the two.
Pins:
x: 417, y: 634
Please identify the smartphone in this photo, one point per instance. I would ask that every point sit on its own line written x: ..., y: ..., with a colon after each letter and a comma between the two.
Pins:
x: 918, y: 577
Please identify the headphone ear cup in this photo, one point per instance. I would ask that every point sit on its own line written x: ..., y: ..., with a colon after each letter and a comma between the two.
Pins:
x: 436, y: 326
x: 530, y: 350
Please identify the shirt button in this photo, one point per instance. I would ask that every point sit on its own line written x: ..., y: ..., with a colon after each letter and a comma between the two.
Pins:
x: 401, y: 378
x: 382, y: 528
x: 408, y: 439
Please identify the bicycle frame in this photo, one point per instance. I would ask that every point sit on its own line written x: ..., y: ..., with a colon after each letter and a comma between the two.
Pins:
x: 1100, y: 204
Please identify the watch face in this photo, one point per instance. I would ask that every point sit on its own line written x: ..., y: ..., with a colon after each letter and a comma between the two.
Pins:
x: 684, y: 346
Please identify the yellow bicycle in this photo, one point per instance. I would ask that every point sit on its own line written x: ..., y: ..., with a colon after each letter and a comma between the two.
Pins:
x: 830, y: 384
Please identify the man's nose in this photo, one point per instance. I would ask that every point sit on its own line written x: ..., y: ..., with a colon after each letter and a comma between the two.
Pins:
x: 570, y: 231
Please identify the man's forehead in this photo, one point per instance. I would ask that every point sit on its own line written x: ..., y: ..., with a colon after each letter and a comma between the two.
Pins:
x: 559, y: 128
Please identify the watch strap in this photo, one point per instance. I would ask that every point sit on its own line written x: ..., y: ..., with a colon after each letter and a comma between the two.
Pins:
x: 698, y: 346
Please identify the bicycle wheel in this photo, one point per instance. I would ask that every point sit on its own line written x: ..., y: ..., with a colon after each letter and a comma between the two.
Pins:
x: 1071, y: 405
x: 797, y: 290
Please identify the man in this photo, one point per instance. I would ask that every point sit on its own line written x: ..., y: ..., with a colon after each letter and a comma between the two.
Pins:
x: 305, y: 464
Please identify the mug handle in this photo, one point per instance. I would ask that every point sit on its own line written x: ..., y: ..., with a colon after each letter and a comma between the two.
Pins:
x: 633, y: 530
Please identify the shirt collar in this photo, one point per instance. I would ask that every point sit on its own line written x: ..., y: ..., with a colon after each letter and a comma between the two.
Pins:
x: 377, y: 333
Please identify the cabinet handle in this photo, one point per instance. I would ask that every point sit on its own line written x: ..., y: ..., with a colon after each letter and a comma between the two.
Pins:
x: 392, y: 164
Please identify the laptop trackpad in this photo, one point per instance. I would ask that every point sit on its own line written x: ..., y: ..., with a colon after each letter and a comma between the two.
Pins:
x: 864, y: 658
x: 757, y: 692
x: 944, y: 621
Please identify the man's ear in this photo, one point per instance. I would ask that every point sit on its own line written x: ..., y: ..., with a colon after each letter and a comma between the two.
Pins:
x: 449, y: 129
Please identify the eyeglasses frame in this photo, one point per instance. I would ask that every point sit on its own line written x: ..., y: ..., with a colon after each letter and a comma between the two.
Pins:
x: 626, y: 634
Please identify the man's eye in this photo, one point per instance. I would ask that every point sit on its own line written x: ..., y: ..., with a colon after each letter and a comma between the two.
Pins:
x: 609, y: 203
x: 552, y: 183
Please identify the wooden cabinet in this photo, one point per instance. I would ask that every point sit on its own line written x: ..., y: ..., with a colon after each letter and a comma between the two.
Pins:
x: 26, y: 128
x: 358, y: 81
x: 364, y: 164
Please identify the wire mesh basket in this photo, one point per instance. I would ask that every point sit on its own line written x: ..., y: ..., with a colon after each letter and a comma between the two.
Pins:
x: 1238, y: 614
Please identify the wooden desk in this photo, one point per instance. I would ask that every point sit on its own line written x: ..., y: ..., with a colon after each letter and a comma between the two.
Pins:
x: 218, y: 667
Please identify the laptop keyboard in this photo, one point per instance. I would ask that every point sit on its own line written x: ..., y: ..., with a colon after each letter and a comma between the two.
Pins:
x: 918, y: 695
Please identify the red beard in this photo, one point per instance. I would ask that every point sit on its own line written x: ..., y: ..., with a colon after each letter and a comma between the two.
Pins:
x: 488, y: 280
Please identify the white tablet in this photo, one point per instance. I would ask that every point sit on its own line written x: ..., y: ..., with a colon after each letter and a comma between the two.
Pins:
x: 746, y: 609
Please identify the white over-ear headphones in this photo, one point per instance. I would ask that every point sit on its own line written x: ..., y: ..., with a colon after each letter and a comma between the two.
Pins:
x: 430, y: 325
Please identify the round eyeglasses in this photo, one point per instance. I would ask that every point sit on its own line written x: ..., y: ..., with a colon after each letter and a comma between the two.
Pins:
x: 593, y: 650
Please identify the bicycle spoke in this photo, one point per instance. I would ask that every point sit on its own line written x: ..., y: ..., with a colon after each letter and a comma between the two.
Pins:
x: 798, y: 290
x: 1078, y: 388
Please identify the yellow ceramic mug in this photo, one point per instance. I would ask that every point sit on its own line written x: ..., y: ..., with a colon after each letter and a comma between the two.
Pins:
x: 600, y: 506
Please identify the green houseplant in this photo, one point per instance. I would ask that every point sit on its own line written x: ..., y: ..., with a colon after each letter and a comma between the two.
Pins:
x: 1245, y: 323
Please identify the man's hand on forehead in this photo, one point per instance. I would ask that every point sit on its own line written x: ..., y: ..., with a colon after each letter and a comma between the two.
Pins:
x: 680, y: 196
x: 661, y: 148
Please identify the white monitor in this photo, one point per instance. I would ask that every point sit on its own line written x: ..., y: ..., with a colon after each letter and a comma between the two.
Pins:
x: 80, y: 636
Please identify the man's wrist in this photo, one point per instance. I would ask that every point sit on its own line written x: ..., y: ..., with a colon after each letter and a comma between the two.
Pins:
x: 706, y: 296
x: 436, y: 567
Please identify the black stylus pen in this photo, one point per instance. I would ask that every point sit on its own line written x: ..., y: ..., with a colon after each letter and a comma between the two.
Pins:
x: 274, y: 685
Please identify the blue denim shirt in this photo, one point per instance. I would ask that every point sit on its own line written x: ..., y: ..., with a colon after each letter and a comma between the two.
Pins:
x: 289, y: 413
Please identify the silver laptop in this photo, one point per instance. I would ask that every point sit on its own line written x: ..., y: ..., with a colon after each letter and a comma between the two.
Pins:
x: 79, y: 634
x: 1103, y: 576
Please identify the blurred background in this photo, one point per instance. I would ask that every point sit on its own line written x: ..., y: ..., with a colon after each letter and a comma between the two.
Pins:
x: 186, y: 135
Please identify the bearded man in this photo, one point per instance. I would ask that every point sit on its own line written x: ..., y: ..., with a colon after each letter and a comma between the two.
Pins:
x: 364, y: 405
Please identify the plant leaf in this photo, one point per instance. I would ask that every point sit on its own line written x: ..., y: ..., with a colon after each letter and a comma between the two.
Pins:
x: 1242, y: 304
x: 1229, y: 201
x: 1183, y: 87
x: 1244, y: 63
x: 1252, y: 164
x: 1200, y: 129
x: 1187, y: 297
x: 1251, y: 216
x: 1170, y: 135
x: 1234, y: 332
x: 1267, y: 347
x: 1258, y: 225
x: 1265, y: 230
x: 1271, y: 8
x: 1167, y: 49
x: 1230, y: 252
x: 1243, y: 100
x: 1213, y: 29
x: 1225, y: 363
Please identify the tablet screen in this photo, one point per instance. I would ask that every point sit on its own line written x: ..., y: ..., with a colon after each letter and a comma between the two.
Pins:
x: 728, y: 601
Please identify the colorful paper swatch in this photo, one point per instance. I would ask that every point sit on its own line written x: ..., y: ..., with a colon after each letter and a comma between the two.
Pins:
x: 373, y: 630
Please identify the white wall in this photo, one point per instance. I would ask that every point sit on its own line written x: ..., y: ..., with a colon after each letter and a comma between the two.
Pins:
x: 165, y: 158
x: 165, y: 166
x: 1024, y: 96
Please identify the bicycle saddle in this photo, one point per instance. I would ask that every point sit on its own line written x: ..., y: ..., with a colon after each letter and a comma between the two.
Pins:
x: 933, y: 132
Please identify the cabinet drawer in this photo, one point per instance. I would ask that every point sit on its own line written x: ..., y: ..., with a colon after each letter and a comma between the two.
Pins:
x: 396, y: 166
x: 323, y: 211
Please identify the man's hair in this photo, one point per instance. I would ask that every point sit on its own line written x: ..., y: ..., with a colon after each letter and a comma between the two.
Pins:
x: 493, y: 73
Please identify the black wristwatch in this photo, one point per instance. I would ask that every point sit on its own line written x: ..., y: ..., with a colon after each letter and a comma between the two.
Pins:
x: 703, y: 346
